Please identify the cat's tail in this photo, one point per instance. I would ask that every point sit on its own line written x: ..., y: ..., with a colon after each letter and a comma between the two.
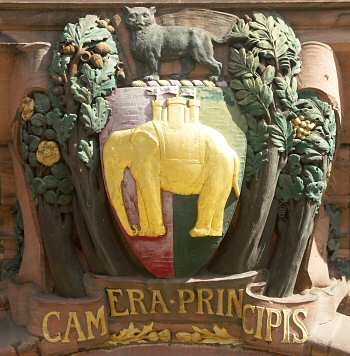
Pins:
x: 229, y: 37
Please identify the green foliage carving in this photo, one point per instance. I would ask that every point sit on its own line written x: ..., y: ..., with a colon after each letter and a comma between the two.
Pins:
x: 240, y: 30
x: 38, y: 120
x: 59, y: 62
x: 255, y: 161
x: 52, y: 184
x: 286, y: 91
x: 257, y: 136
x: 63, y: 127
x: 263, y: 80
x: 34, y: 143
x: 55, y: 190
x: 86, y: 152
x: 94, y: 83
x: 85, y: 32
x: 42, y: 102
x: 95, y: 117
x: 289, y: 187
x: 88, y: 84
x: 80, y: 92
x: 243, y: 64
x: 274, y: 39
x: 310, y: 158
x: 281, y: 134
x: 81, y: 73
x: 60, y: 170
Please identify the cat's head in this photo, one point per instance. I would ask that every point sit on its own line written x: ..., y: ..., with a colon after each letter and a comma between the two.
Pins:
x: 139, y: 17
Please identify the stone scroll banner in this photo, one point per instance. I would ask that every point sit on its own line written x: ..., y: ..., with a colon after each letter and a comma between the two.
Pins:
x: 121, y: 311
x: 218, y: 311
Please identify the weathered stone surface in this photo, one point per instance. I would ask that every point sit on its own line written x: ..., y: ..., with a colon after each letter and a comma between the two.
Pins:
x: 321, y: 72
x: 29, y: 347
x: 173, y: 350
x: 7, y: 351
x: 315, y: 272
x: 29, y: 271
x: 45, y: 303
x: 19, y: 296
x: 12, y: 334
x: 50, y: 349
x: 316, y: 310
x: 7, y: 189
x: 331, y: 338
x: 338, y: 191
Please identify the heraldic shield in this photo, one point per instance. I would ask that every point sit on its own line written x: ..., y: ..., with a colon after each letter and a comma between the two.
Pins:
x: 173, y: 162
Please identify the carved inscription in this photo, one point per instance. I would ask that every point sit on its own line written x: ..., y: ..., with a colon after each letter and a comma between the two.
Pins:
x: 259, y: 321
x: 201, y: 301
x: 77, y: 328
x: 222, y: 303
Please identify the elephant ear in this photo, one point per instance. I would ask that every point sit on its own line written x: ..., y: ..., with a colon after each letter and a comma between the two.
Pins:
x: 144, y: 143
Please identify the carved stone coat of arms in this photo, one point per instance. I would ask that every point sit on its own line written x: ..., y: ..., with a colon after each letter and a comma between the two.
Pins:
x: 174, y: 166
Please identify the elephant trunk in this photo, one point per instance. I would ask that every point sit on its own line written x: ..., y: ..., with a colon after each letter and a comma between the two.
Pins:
x: 115, y: 158
x: 235, y: 184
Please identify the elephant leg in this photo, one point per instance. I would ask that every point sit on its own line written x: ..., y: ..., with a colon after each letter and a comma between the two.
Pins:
x: 225, y: 175
x: 217, y: 223
x: 218, y: 219
x: 212, y: 200
x: 147, y: 179
x: 206, y: 208
x: 143, y: 220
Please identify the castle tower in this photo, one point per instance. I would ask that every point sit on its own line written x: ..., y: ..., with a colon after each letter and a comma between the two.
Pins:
x: 194, y: 106
x: 176, y: 111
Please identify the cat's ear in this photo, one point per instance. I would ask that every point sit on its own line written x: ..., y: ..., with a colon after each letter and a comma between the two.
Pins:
x: 126, y: 9
x: 153, y: 9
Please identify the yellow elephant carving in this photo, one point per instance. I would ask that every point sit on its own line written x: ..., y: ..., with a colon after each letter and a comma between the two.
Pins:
x: 176, y: 153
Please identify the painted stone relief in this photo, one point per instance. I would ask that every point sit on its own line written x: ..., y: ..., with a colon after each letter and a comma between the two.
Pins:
x: 152, y: 44
x: 176, y: 173
x: 178, y: 149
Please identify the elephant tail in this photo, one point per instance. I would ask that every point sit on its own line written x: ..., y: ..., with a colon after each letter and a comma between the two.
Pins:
x: 235, y: 184
x: 114, y: 168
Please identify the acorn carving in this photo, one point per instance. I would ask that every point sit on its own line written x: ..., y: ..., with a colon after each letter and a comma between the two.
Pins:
x: 110, y: 28
x: 102, y: 23
x: 96, y: 60
x: 103, y: 48
x: 106, y: 24
x: 303, y: 127
x: 69, y: 49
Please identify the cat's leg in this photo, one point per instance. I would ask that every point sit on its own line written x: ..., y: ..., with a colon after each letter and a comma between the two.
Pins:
x: 215, y: 67
x: 153, y: 66
x: 203, y: 52
x: 187, y: 66
x: 141, y: 69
